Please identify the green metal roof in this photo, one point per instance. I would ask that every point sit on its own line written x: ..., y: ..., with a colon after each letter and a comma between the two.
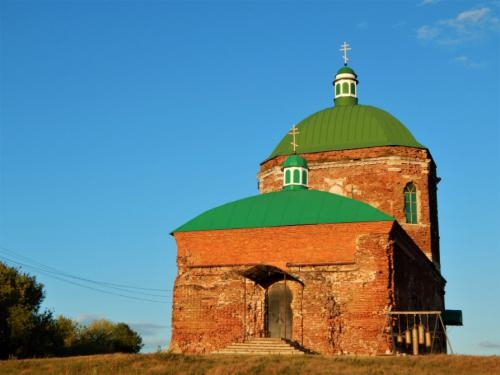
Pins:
x: 295, y: 161
x: 347, y: 127
x: 282, y: 208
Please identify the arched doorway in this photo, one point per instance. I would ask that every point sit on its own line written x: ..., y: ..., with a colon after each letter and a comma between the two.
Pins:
x: 276, y: 308
x: 279, y: 314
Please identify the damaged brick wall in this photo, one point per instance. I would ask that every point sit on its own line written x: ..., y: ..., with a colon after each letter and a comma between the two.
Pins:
x: 342, y: 289
x: 344, y: 305
x: 208, y: 309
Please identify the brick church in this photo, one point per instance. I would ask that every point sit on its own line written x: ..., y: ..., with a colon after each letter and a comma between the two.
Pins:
x: 343, y: 235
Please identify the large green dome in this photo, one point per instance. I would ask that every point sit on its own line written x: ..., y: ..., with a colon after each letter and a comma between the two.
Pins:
x: 285, y: 207
x: 347, y: 127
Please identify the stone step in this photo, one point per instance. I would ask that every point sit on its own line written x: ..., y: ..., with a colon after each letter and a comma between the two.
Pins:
x: 262, y: 343
x: 265, y: 340
x: 259, y: 352
x: 264, y: 352
x: 258, y: 348
x: 261, y: 346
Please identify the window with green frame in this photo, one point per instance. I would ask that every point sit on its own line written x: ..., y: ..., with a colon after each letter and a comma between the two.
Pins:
x: 337, y: 89
x: 296, y: 176
x: 411, y: 203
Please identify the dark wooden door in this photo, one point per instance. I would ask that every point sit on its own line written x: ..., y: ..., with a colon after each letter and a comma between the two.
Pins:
x: 279, y: 311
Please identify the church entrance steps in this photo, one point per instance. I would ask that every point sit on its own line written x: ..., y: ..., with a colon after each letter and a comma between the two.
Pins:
x: 263, y: 346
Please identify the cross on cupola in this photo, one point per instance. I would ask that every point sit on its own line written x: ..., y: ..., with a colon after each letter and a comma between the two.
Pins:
x: 294, y: 132
x: 344, y: 48
x: 345, y: 83
x: 295, y: 170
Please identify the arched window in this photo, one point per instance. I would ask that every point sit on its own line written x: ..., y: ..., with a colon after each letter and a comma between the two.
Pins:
x: 411, y: 203
x: 353, y: 89
x: 345, y: 88
x: 304, y: 177
x: 287, y: 176
x: 337, y: 89
x: 296, y: 176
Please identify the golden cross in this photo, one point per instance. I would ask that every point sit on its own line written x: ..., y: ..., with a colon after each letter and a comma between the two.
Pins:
x: 344, y: 48
x: 293, y: 133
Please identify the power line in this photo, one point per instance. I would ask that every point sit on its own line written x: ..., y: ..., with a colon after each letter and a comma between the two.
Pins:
x: 85, y: 286
x: 63, y: 273
x: 79, y: 284
x: 134, y: 292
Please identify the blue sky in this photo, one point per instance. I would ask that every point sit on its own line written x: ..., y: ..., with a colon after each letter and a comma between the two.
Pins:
x: 121, y: 120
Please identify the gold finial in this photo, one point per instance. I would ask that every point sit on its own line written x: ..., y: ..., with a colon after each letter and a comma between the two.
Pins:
x: 294, y: 132
x: 344, y: 48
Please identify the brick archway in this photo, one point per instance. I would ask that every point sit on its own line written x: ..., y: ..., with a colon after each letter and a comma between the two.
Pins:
x: 276, y: 299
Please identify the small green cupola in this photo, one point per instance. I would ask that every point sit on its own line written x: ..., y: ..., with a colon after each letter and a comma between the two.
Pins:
x: 295, y: 173
x: 345, y: 83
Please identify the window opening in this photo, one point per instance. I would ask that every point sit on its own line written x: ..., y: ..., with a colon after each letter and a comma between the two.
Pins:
x: 411, y: 203
x: 287, y: 176
x: 296, y: 176
x: 345, y: 88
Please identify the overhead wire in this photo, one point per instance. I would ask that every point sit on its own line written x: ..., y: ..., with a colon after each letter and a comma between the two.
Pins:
x: 134, y: 292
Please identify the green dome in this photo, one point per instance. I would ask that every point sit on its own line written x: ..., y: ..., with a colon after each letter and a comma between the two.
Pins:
x: 345, y: 69
x: 345, y: 128
x: 283, y: 208
x: 295, y: 161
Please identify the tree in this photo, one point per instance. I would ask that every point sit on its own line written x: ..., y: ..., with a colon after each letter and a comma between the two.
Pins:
x: 125, y: 339
x: 67, y: 330
x: 27, y: 332
x: 21, y: 323
x: 103, y: 336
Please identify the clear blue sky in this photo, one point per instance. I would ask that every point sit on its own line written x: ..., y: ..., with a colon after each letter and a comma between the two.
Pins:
x: 121, y: 120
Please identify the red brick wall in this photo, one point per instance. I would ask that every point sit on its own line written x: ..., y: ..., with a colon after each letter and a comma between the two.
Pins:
x: 275, y: 246
x: 377, y: 176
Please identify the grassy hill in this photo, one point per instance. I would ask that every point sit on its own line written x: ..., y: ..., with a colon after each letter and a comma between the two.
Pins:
x: 165, y: 363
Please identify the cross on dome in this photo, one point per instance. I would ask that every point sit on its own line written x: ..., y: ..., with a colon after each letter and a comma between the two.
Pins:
x: 344, y: 48
x: 346, y: 82
x: 294, y: 132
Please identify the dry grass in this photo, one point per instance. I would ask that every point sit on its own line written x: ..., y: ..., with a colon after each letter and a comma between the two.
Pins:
x: 221, y: 365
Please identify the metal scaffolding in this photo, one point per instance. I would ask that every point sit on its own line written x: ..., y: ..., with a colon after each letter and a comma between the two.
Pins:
x: 417, y: 332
